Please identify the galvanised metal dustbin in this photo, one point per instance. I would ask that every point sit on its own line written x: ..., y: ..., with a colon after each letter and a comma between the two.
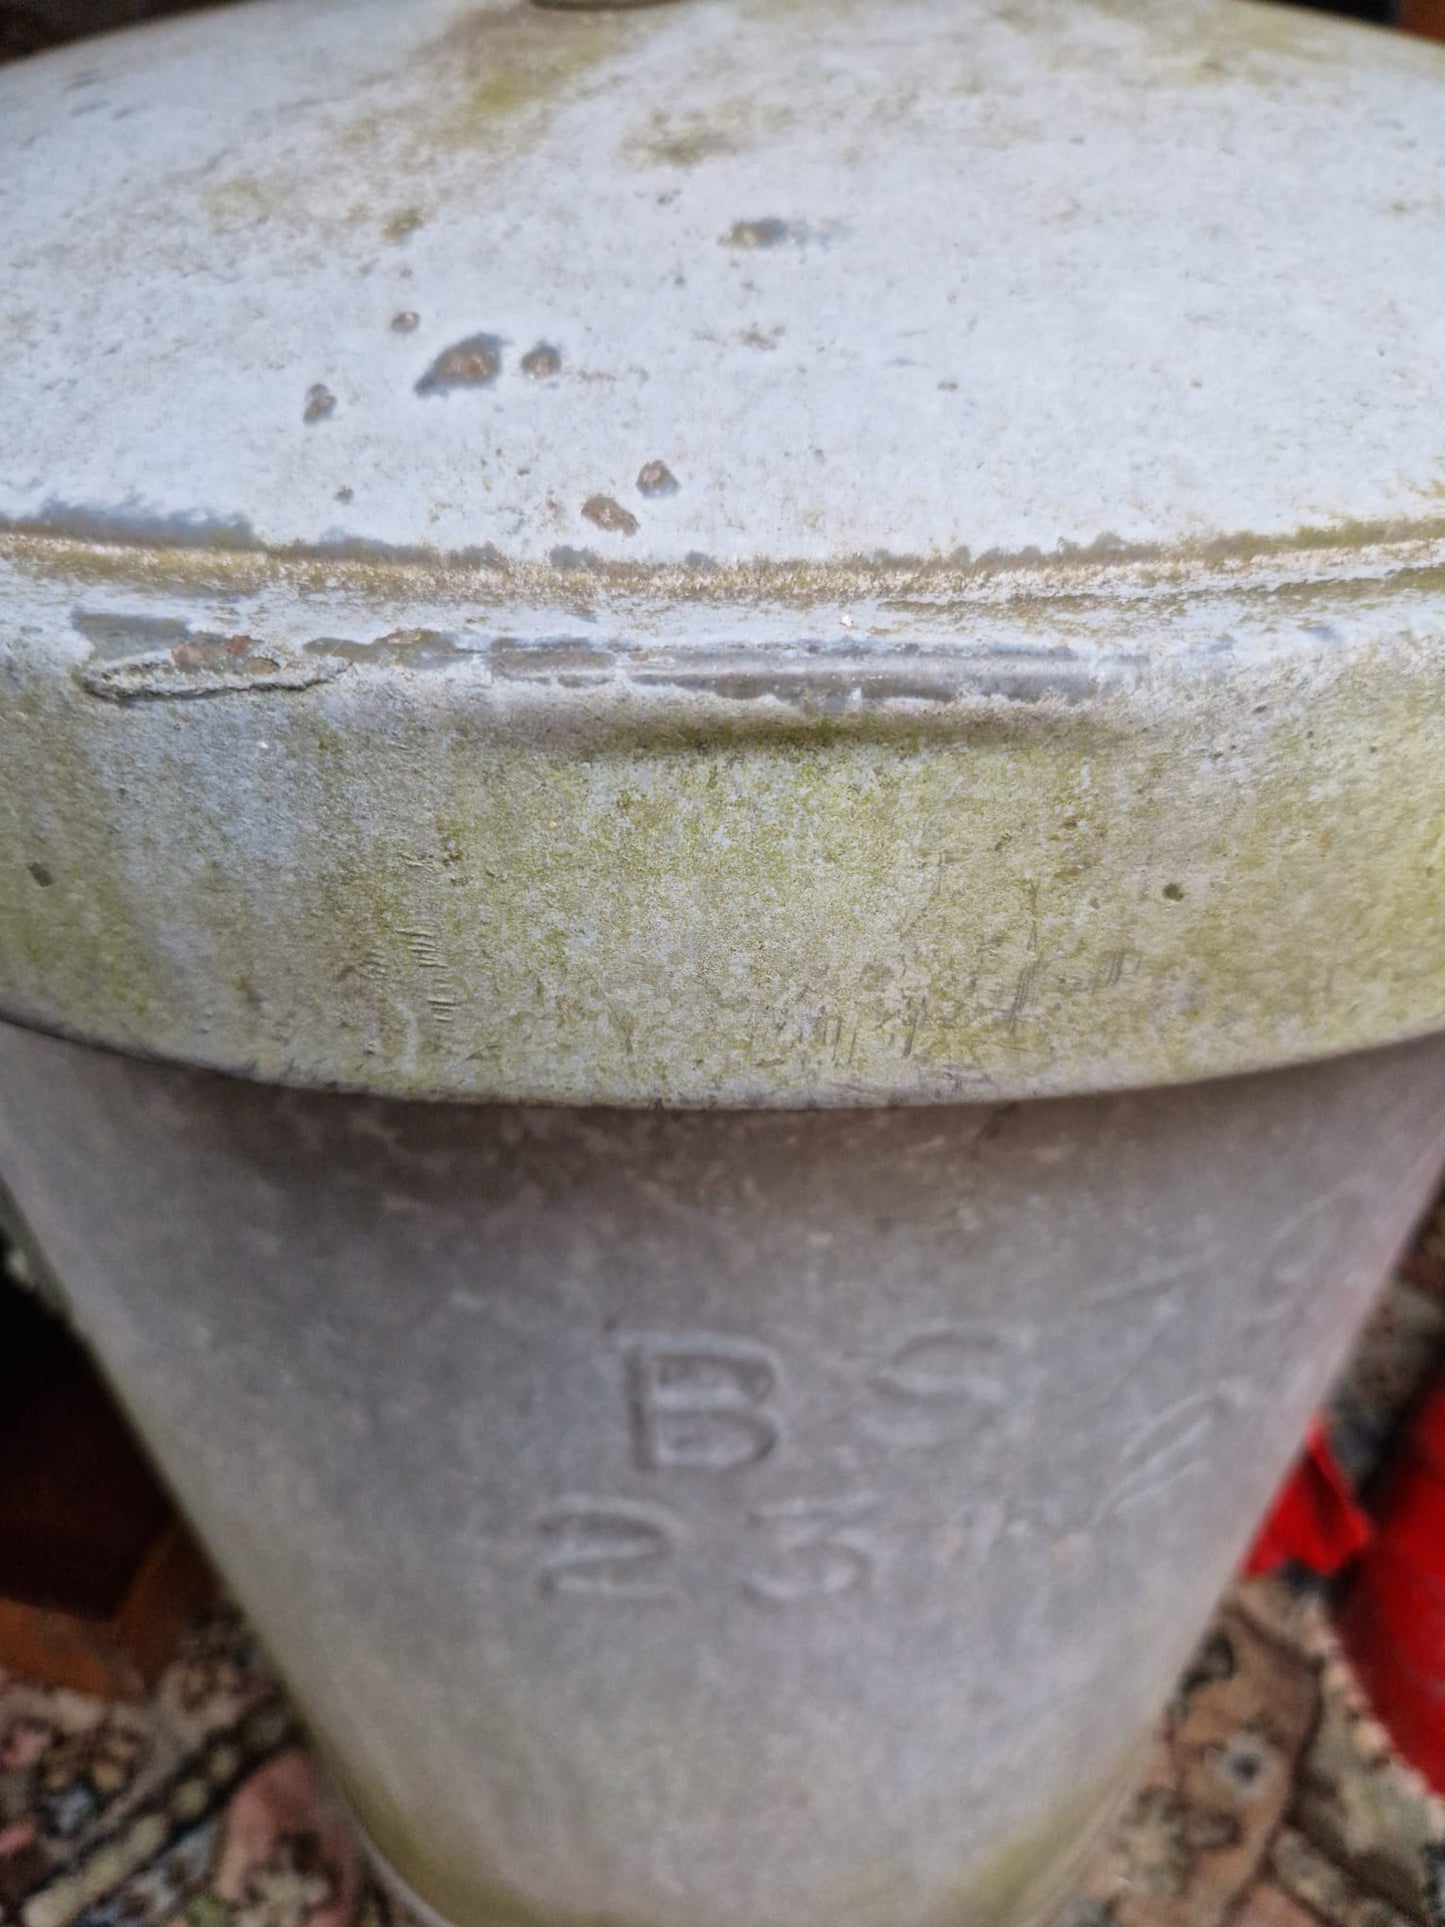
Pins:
x: 723, y: 795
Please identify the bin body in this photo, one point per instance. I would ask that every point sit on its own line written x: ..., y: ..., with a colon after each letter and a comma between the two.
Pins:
x: 775, y: 1517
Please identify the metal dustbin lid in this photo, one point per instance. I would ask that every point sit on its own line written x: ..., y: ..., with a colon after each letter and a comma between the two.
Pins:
x: 725, y: 553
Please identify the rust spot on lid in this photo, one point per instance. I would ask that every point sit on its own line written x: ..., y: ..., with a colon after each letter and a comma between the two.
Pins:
x: 320, y: 403
x: 203, y: 666
x: 656, y: 478
x: 215, y: 652
x: 473, y: 363
x: 542, y: 361
x: 610, y: 514
x: 767, y: 233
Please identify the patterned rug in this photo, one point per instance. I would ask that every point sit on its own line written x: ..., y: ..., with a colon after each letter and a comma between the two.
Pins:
x: 1271, y: 1798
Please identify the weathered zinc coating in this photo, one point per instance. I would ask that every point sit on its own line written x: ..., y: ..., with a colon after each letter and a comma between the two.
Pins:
x: 752, y: 551
x: 744, y: 553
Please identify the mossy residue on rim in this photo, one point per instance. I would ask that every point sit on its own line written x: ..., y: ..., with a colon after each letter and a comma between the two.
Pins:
x: 491, y: 83
x: 53, y: 811
x: 87, y: 548
x: 496, y: 64
x: 397, y: 890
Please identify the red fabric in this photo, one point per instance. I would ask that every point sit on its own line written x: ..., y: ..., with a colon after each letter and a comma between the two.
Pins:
x: 1315, y: 1521
x: 1393, y: 1619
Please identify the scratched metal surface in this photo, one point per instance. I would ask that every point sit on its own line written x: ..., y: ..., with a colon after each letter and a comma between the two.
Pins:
x: 725, y: 553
